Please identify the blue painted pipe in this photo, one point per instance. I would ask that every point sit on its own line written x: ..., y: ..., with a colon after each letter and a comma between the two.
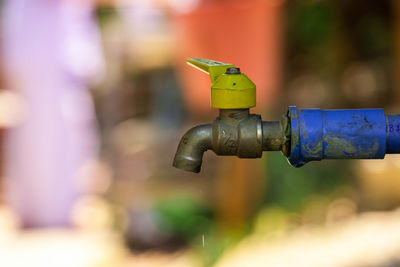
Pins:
x: 342, y: 134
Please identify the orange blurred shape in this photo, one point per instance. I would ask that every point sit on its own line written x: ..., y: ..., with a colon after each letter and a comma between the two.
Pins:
x: 245, y: 33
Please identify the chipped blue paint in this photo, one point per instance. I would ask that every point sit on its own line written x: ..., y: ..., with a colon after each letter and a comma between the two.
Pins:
x: 342, y: 134
x: 393, y: 134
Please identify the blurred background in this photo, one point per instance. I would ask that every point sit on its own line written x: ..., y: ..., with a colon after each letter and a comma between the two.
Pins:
x: 95, y: 96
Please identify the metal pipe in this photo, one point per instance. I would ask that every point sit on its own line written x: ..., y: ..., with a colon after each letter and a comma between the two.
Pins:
x: 342, y: 134
x: 273, y: 136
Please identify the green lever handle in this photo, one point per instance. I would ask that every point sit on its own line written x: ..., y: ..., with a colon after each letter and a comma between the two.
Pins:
x: 214, y: 68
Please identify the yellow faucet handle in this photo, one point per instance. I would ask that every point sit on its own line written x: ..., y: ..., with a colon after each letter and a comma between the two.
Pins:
x: 230, y: 89
x: 212, y: 67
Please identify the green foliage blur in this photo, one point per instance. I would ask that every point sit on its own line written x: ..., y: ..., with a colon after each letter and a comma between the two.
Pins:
x: 184, y: 217
x: 292, y: 188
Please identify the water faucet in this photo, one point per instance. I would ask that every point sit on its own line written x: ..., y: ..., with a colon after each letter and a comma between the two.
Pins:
x: 303, y: 135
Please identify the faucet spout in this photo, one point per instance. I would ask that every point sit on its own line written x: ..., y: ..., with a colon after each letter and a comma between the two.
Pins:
x: 193, y: 144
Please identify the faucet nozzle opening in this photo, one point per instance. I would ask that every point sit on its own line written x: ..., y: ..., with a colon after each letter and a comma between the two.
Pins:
x: 187, y: 163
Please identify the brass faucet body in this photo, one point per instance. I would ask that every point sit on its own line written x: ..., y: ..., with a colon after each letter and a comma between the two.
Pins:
x: 235, y: 132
